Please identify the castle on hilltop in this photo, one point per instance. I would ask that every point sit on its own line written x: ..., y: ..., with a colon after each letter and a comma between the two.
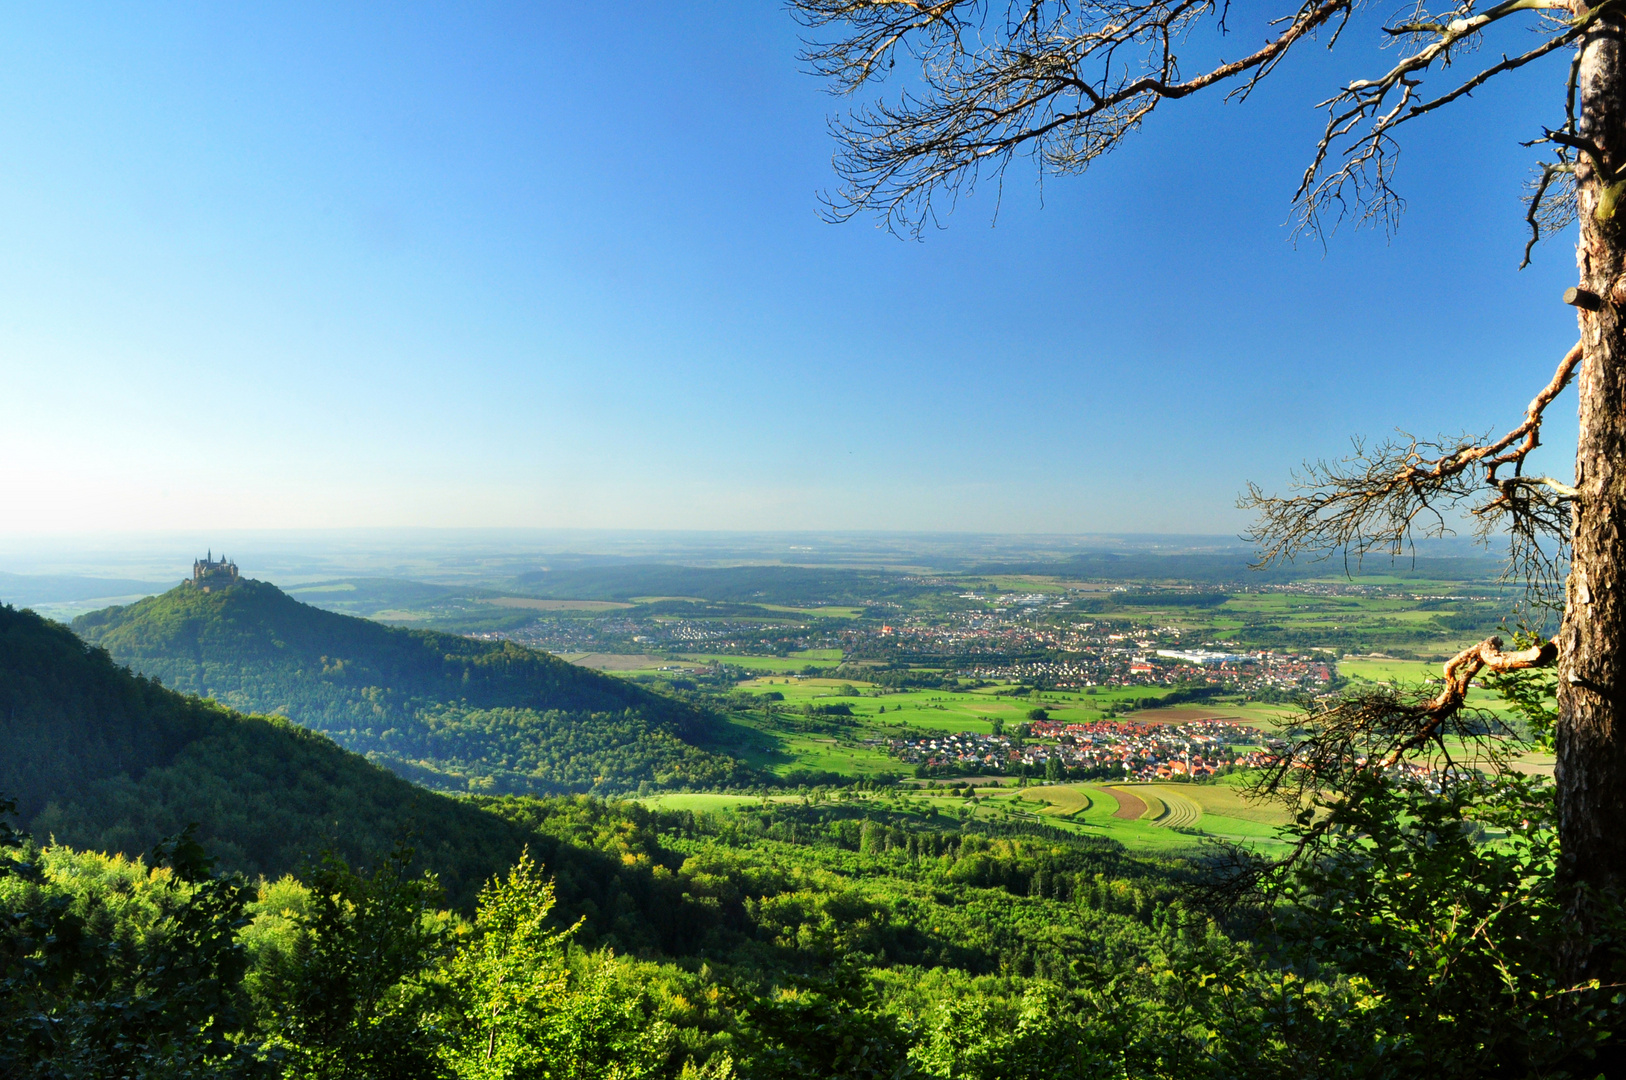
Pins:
x: 208, y: 574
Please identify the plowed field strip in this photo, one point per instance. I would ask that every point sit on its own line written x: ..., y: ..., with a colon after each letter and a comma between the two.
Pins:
x: 1181, y: 813
x: 1130, y: 807
x: 1229, y: 802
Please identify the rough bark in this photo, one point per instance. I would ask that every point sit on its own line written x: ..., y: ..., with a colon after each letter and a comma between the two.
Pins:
x: 1591, y: 770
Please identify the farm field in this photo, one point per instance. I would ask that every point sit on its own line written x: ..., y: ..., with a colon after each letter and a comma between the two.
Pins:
x: 1326, y: 615
x: 1161, y: 817
x: 1131, y: 807
x: 1060, y: 801
x: 817, y: 612
x: 784, y: 665
x: 532, y: 603
x: 1129, y: 812
x: 952, y: 710
x: 1384, y: 670
x: 828, y: 754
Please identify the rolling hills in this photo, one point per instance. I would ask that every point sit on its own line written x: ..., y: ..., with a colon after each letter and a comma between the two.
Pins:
x: 449, y: 712
x: 98, y: 758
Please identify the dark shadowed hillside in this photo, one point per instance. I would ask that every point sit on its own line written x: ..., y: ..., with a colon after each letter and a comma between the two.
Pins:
x: 451, y: 712
x: 100, y: 758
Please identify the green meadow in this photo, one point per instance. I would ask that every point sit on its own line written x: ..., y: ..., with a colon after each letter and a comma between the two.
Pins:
x: 1156, y: 815
x: 1160, y: 817
x: 709, y: 803
x: 950, y: 710
x: 1415, y: 673
x: 1384, y: 670
x: 779, y: 717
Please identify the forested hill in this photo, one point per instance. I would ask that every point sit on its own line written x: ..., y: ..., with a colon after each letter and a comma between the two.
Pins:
x: 102, y: 759
x: 221, y: 644
x: 447, y: 711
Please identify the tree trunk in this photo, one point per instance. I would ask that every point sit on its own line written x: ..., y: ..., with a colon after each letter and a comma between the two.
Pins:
x: 1591, y: 771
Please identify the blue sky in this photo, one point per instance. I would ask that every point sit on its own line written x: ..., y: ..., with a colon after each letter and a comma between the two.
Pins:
x: 562, y: 266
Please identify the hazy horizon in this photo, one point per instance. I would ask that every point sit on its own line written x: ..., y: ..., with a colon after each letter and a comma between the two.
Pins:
x: 299, y: 556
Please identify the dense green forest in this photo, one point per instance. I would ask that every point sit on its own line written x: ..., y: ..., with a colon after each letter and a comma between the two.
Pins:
x: 449, y: 712
x: 799, y: 941
x: 311, y: 915
x: 103, y: 759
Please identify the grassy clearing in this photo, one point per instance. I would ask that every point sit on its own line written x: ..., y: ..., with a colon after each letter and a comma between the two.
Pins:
x: 948, y: 710
x: 1403, y: 671
x: 1264, y: 717
x: 1413, y: 673
x: 703, y: 802
x: 1536, y: 764
x: 1161, y: 817
x: 825, y: 754
x: 1238, y: 829
x: 1137, y: 834
x: 1102, y: 800
x: 1081, y: 808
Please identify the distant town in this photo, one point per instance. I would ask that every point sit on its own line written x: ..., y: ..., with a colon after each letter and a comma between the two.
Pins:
x: 1116, y: 749
x: 1021, y: 641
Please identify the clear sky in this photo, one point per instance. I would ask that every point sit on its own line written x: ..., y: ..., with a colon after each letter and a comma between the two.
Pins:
x: 561, y: 265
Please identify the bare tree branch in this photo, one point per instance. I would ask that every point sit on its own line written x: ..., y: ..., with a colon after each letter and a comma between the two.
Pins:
x: 1548, y: 213
x: 1065, y: 81
x: 1380, y: 500
x: 1347, y: 748
x: 1363, y: 115
x: 1378, y: 730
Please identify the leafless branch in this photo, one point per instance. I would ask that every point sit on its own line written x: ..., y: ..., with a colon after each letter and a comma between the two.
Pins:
x: 1382, y: 499
x: 1362, y: 117
x: 1065, y: 81
x: 1344, y: 749
x: 1551, y: 206
x: 1379, y: 730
